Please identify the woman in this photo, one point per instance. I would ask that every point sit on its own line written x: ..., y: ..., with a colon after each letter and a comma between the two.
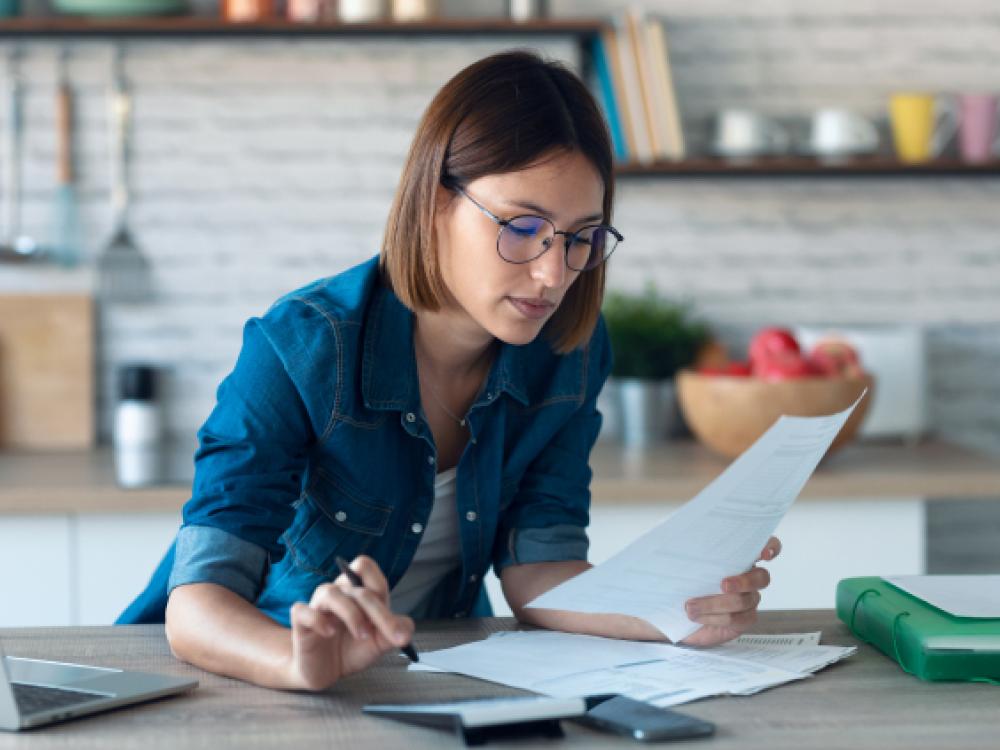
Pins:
x: 426, y: 414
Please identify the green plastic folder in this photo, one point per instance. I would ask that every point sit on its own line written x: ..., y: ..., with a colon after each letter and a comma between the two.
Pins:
x: 924, y: 640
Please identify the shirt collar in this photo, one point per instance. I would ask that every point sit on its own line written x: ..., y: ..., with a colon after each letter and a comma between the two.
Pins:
x: 389, y: 370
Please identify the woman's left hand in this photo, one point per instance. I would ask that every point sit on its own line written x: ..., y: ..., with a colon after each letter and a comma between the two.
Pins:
x: 729, y: 614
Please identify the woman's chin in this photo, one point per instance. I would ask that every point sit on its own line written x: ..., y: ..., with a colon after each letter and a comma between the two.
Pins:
x: 519, y: 334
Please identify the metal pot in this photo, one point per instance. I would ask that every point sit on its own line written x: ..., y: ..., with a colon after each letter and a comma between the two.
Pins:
x: 648, y: 410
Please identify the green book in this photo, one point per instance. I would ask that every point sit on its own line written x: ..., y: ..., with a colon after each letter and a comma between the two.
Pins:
x: 926, y: 641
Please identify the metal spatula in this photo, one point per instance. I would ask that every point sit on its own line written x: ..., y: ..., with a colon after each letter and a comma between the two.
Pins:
x: 122, y: 270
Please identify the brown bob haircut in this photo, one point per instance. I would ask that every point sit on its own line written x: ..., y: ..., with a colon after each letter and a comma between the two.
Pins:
x: 501, y: 114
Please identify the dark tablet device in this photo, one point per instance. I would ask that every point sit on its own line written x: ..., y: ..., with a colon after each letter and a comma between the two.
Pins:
x: 643, y: 721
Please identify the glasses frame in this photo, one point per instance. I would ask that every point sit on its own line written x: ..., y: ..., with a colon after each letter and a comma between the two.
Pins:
x: 569, y: 237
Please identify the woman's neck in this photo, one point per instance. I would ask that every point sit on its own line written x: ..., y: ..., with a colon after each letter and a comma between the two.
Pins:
x: 449, y: 349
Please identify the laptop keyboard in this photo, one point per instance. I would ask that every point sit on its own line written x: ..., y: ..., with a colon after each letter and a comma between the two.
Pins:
x: 33, y: 698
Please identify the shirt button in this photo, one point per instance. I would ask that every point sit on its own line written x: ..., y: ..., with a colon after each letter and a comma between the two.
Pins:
x: 340, y: 516
x: 471, y: 516
x: 473, y: 578
x: 411, y: 417
x: 459, y: 615
x: 417, y: 528
x: 430, y: 459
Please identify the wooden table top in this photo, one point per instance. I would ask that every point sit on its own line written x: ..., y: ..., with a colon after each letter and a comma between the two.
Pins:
x: 865, y: 702
x: 673, y: 472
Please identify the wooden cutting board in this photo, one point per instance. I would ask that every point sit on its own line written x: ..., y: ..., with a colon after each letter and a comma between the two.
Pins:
x: 46, y: 371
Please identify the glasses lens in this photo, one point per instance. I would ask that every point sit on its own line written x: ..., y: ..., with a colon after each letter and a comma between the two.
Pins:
x: 525, y: 238
x: 590, y: 247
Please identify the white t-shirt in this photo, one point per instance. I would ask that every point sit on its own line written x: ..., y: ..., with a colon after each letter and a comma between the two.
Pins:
x: 438, y: 553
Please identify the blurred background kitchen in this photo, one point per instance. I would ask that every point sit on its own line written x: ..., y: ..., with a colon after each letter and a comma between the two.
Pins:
x: 170, y: 169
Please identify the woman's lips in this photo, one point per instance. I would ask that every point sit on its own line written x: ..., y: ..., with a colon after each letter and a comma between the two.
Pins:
x: 534, y: 309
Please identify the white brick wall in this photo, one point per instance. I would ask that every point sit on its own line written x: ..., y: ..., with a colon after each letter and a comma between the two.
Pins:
x: 262, y: 164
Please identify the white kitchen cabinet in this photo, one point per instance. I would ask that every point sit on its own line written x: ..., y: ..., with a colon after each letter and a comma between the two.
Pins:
x: 823, y: 541
x: 36, y: 554
x: 83, y: 569
x: 73, y: 569
x: 116, y: 555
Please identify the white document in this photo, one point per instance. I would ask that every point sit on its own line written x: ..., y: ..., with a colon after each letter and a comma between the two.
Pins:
x: 961, y: 596
x: 794, y: 652
x: 719, y: 533
x: 568, y: 665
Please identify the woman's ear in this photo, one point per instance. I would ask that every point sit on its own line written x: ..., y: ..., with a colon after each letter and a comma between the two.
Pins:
x: 443, y: 199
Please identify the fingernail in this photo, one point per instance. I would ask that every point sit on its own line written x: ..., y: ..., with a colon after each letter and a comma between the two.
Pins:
x: 692, y: 610
x: 401, y: 636
x: 365, y: 634
x: 728, y: 587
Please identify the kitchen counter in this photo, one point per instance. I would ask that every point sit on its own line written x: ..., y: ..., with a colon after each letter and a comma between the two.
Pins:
x: 83, y: 481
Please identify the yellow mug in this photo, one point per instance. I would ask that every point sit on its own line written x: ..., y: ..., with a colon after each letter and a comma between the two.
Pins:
x: 920, y: 126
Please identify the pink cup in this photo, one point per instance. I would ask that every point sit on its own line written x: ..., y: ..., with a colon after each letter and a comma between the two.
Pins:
x: 977, y: 133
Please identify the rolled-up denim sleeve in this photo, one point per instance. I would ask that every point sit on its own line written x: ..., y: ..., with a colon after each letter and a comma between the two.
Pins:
x: 548, y: 517
x: 205, y: 554
x: 248, y: 471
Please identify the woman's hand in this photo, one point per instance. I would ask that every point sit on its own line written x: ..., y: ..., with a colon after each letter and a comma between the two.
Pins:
x: 726, y: 616
x: 344, y: 629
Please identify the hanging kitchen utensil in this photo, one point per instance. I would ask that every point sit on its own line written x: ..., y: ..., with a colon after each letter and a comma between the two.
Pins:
x: 66, y: 219
x: 122, y: 270
x: 16, y: 246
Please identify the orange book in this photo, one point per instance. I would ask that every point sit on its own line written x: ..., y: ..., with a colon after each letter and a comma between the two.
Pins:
x: 668, y: 113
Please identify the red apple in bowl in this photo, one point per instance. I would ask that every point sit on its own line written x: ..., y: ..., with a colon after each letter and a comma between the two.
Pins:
x: 768, y: 343
x: 835, y: 357
x: 784, y: 366
x: 731, y: 369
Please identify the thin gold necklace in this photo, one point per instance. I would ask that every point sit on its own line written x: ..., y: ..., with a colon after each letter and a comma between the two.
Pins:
x: 461, y: 422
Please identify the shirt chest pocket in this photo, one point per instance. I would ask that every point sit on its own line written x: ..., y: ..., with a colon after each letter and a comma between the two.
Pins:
x: 333, y: 518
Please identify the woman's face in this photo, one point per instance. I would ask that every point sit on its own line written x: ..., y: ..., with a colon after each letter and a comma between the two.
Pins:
x: 509, y: 301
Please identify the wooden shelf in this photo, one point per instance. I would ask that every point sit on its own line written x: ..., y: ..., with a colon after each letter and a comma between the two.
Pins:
x: 205, y: 26
x: 804, y: 166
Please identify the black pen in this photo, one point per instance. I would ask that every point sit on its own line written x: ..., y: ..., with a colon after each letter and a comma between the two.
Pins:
x: 356, y: 581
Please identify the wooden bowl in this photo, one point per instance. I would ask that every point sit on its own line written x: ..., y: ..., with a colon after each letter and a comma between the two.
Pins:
x: 728, y: 413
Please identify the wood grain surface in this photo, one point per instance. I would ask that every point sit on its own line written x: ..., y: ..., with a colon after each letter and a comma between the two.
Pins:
x: 866, y: 702
x: 46, y: 371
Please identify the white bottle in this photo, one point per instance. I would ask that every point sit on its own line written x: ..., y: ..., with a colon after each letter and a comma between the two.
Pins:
x: 361, y: 11
x: 138, y: 428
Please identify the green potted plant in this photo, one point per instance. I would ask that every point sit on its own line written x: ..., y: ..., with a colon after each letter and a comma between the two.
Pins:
x: 651, y: 339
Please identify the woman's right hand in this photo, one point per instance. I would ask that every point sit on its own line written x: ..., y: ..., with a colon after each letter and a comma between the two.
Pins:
x: 344, y: 629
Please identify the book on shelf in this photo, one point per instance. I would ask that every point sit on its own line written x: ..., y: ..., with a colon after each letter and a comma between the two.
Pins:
x: 634, y: 27
x: 605, y: 62
x: 669, y: 116
x: 641, y: 150
x: 634, y: 85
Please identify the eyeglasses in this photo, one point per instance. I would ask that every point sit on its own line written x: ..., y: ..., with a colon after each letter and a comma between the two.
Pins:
x: 524, y: 238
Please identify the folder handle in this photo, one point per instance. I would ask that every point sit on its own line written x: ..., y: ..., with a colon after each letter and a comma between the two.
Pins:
x: 857, y: 602
x: 895, y: 648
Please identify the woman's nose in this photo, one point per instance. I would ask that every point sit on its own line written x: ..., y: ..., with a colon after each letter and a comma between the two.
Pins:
x: 550, y: 266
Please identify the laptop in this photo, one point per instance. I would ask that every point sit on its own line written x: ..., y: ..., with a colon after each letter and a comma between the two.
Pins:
x: 35, y: 692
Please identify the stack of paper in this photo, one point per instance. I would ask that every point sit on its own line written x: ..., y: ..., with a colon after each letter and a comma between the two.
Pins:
x: 569, y: 665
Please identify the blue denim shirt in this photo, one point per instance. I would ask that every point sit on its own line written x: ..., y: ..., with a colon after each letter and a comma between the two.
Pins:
x: 318, y: 447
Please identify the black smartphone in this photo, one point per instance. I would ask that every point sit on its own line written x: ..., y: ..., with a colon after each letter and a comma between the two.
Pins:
x: 643, y: 721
